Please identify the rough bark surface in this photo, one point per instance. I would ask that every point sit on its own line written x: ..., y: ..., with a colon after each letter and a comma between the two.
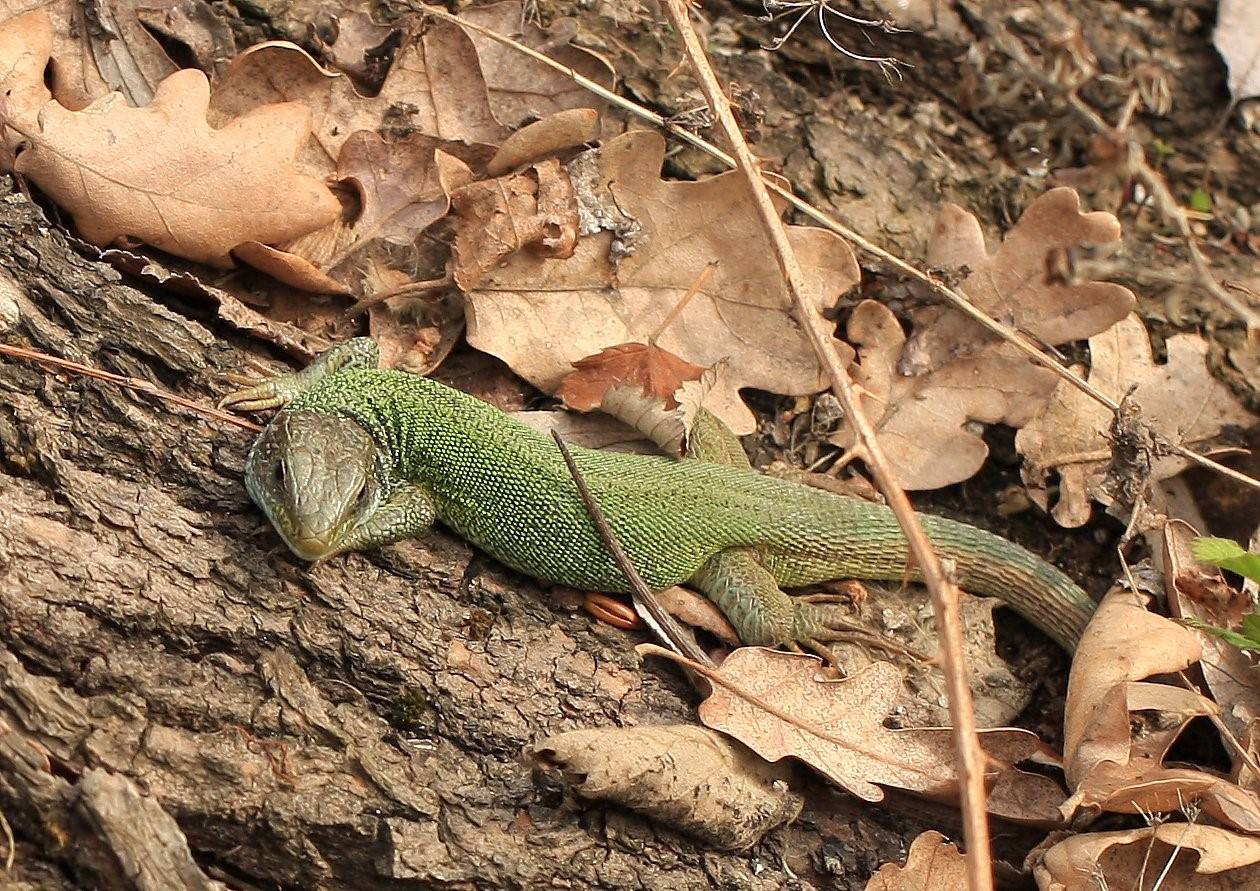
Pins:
x: 182, y: 704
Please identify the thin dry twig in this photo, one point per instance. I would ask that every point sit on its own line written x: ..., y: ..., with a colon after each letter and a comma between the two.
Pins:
x: 645, y: 601
x: 971, y: 759
x: 954, y: 297
x: 9, y: 841
x: 129, y: 383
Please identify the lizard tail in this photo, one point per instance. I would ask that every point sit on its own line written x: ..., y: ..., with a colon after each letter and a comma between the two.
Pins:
x: 868, y: 543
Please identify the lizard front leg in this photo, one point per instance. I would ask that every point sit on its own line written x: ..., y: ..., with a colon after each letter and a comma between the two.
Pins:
x: 279, y: 391
x: 408, y: 513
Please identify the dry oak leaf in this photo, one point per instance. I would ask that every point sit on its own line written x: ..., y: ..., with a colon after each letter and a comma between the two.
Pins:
x: 540, y: 314
x: 1019, y: 283
x: 671, y: 402
x: 401, y: 187
x: 1179, y: 398
x: 1198, y: 591
x: 1114, y: 759
x: 522, y: 89
x: 655, y: 372
x: 926, y: 422
x: 691, y: 778
x: 1197, y: 858
x: 837, y: 728
x: 495, y: 218
x: 435, y: 88
x: 25, y: 44
x: 162, y: 175
x: 932, y: 865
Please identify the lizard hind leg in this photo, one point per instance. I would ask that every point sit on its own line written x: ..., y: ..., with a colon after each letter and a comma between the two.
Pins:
x: 765, y: 616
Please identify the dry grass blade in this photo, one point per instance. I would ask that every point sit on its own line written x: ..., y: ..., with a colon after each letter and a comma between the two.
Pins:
x: 971, y: 759
x: 129, y: 383
x: 651, y: 610
x: 954, y: 297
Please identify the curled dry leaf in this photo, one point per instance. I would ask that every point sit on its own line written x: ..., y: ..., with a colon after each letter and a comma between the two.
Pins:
x: 837, y: 728
x: 654, y: 372
x: 686, y: 776
x: 1018, y: 284
x: 1199, y: 858
x: 645, y: 241
x: 162, y: 175
x: 520, y: 88
x: 1111, y: 765
x: 926, y: 422
x: 1180, y: 399
x: 933, y: 865
x: 434, y: 88
x: 401, y: 187
x: 1198, y: 591
x: 358, y: 45
x: 562, y: 130
x: 495, y: 218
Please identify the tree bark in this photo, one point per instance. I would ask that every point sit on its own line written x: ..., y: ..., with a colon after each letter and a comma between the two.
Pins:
x: 184, y: 704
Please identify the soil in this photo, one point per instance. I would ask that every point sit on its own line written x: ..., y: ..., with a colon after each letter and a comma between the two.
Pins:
x: 172, y: 681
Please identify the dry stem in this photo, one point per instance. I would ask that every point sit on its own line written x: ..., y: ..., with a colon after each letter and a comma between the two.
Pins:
x: 129, y: 383
x: 955, y: 298
x: 944, y: 593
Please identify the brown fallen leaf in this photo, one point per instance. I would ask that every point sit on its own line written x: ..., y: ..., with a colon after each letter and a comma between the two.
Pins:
x: 926, y: 423
x: 837, y: 728
x: 932, y: 865
x: 644, y: 242
x: 1180, y: 399
x: 686, y: 776
x: 495, y: 218
x: 655, y: 372
x: 1123, y: 644
x: 562, y: 130
x: 520, y: 88
x: 1018, y: 283
x: 434, y: 88
x: 1114, y: 759
x: 1170, y: 857
x: 400, y: 188
x: 25, y: 44
x: 1198, y: 591
x: 115, y: 46
x: 160, y: 174
x: 358, y: 46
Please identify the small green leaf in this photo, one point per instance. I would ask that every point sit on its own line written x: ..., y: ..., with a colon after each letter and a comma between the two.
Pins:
x: 1163, y: 149
x: 1227, y: 555
x: 1244, y: 641
x: 1201, y: 200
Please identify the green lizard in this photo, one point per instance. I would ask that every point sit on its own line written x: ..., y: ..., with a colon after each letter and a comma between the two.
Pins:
x: 361, y: 457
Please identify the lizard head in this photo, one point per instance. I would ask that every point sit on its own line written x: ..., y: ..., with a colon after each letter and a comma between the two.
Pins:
x: 317, y: 478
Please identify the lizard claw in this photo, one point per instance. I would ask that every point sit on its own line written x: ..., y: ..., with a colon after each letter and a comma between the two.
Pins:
x: 817, y: 626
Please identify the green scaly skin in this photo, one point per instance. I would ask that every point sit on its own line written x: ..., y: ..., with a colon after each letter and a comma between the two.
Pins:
x: 360, y: 457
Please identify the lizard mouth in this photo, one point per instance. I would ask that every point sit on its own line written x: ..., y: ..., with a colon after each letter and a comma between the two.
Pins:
x: 313, y: 547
